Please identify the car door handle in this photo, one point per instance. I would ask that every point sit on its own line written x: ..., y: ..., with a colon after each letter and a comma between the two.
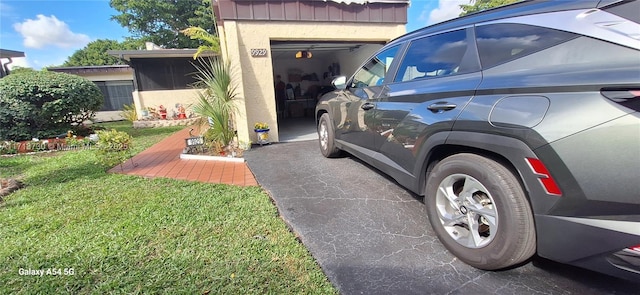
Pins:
x: 367, y: 106
x: 441, y: 106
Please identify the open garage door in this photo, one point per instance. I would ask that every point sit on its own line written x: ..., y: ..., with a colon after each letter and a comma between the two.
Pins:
x: 306, y: 69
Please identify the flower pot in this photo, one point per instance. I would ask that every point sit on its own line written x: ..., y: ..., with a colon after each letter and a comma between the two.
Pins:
x: 263, y: 136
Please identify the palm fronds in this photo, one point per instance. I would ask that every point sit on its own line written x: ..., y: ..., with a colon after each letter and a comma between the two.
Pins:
x: 197, y: 33
x: 216, y: 102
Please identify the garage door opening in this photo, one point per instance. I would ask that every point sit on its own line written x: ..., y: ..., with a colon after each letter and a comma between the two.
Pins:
x: 306, y: 69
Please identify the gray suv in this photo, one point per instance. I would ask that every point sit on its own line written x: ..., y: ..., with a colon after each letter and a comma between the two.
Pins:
x: 519, y: 125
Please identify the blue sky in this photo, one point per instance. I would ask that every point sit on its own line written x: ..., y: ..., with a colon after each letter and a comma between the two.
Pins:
x: 49, y: 31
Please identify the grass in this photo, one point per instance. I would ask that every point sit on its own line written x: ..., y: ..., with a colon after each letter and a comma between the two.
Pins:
x: 126, y: 234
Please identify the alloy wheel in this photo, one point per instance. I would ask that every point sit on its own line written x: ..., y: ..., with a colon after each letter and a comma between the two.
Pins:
x: 324, y: 135
x: 467, y: 211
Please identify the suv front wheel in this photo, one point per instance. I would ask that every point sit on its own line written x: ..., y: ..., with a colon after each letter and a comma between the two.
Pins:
x: 479, y: 211
x: 326, y: 137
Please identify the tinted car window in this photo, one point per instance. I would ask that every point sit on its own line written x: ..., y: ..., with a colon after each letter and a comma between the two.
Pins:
x: 373, y: 72
x: 628, y: 10
x: 433, y: 56
x: 499, y: 43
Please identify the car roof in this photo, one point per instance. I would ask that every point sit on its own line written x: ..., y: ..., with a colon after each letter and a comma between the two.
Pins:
x: 511, y: 10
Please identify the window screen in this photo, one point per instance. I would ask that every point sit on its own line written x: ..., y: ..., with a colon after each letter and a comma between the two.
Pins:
x: 164, y: 73
x: 499, y: 43
x: 433, y: 56
x: 116, y: 94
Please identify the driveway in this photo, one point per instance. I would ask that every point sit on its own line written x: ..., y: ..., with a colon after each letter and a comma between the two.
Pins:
x: 371, y: 236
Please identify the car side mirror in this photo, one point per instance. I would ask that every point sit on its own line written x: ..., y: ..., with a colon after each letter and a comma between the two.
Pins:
x: 340, y: 82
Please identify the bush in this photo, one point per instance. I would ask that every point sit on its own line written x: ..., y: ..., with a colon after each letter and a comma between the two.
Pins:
x: 43, y: 104
x: 129, y: 112
x: 113, y: 147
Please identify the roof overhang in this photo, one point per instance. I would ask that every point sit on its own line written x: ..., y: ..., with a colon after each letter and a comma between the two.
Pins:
x: 92, y: 69
x: 155, y: 53
x: 4, y: 53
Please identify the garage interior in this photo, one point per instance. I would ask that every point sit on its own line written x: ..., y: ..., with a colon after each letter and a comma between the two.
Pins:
x: 307, y: 69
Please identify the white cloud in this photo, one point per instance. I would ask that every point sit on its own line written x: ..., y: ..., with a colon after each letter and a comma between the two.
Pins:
x: 44, y: 31
x: 446, y: 10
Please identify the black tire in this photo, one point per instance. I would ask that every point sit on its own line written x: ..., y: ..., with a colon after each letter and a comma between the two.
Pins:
x: 326, y: 137
x: 499, y: 236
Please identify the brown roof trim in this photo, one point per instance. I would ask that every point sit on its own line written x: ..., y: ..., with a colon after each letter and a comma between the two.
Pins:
x: 5, y: 53
x: 383, y: 11
x: 155, y: 53
x: 92, y: 69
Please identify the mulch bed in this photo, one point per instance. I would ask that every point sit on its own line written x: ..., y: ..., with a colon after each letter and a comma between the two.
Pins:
x: 8, y: 186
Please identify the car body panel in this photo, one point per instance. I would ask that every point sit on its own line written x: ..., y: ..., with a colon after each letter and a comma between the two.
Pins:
x: 552, y: 103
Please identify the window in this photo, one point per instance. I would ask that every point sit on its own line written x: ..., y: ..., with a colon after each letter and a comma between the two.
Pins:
x: 116, y: 94
x: 434, y: 56
x: 499, y: 43
x: 373, y: 72
x: 164, y: 73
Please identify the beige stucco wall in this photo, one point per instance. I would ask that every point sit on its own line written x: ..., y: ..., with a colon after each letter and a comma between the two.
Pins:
x: 96, y: 77
x: 256, y: 73
x: 167, y: 98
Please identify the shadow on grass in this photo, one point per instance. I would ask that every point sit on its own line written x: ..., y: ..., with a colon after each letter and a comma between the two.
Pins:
x: 60, y: 175
x: 14, y: 166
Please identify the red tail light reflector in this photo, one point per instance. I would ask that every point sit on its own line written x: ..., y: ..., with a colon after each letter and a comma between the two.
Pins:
x: 548, y: 183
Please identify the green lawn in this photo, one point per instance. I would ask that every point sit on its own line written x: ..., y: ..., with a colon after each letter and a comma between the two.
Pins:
x: 114, y: 233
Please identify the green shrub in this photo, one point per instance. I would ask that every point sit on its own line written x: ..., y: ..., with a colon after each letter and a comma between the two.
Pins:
x: 113, y: 147
x: 43, y: 104
x: 129, y: 112
x: 76, y: 143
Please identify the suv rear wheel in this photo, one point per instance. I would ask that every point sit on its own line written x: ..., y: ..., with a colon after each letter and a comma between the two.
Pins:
x: 326, y: 137
x: 479, y: 211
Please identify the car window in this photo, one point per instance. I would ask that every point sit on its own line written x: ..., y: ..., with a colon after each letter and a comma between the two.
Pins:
x: 499, y: 43
x: 433, y: 56
x: 373, y: 72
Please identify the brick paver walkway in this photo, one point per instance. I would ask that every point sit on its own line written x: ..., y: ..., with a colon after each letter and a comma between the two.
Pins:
x: 163, y: 160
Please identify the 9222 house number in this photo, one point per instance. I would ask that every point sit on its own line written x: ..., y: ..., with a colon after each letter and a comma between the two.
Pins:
x: 259, y: 52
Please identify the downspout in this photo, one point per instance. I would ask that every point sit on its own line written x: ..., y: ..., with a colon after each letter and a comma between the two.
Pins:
x: 5, y: 67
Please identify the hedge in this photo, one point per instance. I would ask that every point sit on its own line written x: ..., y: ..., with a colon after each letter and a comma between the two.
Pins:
x: 43, y: 104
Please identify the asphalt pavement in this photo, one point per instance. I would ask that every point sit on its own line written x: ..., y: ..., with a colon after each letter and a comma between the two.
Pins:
x: 371, y: 236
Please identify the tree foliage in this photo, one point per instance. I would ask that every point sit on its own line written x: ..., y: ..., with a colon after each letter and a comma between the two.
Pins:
x: 19, y: 69
x: 160, y: 21
x: 480, y: 5
x: 95, y: 53
x: 212, y: 42
x: 43, y: 104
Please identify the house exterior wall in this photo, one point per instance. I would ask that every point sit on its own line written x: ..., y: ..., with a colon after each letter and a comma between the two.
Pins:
x: 109, y: 76
x: 167, y: 98
x: 99, y: 74
x: 255, y: 74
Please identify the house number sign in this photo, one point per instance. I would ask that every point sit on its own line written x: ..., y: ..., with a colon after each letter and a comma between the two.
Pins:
x: 260, y: 52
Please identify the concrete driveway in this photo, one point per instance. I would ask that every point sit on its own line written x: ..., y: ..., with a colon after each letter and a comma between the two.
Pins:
x: 371, y: 236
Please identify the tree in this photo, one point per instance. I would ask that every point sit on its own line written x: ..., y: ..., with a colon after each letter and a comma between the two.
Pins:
x: 480, y: 5
x: 212, y: 42
x: 95, y: 53
x: 43, y: 104
x: 160, y: 21
x: 19, y: 69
